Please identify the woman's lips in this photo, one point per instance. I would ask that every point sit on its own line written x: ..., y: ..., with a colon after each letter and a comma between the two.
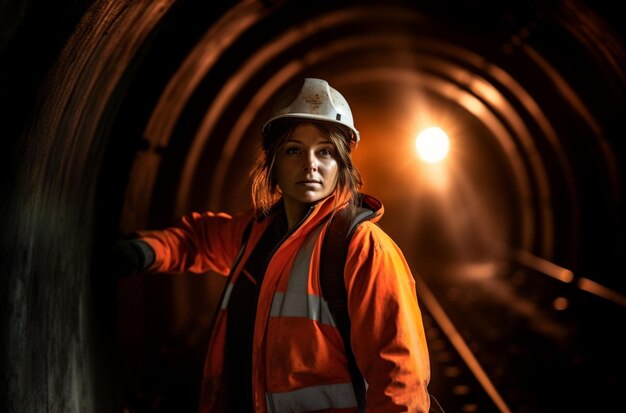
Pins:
x: 309, y: 182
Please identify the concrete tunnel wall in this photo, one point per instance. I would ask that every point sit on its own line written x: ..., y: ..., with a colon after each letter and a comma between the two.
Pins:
x: 58, y: 322
x: 58, y: 316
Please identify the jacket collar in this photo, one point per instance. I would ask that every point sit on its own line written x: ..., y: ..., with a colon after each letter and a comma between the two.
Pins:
x: 321, y: 210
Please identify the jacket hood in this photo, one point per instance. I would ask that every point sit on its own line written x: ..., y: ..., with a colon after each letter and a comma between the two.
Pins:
x: 327, y: 205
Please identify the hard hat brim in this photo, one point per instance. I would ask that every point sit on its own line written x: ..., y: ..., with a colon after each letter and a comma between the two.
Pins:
x: 351, y: 133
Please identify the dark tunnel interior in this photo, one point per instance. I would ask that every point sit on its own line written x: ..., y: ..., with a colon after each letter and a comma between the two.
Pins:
x: 123, y: 115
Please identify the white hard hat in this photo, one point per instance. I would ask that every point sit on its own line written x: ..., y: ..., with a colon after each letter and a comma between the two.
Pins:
x: 316, y: 100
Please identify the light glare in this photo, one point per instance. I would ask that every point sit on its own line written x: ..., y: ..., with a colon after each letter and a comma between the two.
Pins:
x: 432, y: 144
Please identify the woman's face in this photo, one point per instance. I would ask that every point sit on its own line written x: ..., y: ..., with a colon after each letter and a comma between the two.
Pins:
x: 306, y: 167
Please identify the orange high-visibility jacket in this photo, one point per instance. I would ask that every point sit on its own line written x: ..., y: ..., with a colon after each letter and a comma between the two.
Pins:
x: 298, y: 361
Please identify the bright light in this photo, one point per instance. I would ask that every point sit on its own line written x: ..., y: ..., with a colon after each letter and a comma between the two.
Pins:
x: 432, y: 144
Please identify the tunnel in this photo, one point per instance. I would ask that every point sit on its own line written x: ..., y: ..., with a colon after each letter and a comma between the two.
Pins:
x: 123, y: 115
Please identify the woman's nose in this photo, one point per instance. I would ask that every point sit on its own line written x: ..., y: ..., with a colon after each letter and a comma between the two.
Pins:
x: 310, y: 162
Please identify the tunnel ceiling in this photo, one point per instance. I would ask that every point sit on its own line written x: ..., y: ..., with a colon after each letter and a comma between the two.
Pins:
x: 153, y: 108
x: 533, y: 92
x: 542, y: 128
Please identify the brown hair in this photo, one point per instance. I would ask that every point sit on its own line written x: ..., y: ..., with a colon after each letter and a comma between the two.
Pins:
x: 265, y: 190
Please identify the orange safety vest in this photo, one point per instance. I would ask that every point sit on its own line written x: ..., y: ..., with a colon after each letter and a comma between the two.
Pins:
x: 298, y: 361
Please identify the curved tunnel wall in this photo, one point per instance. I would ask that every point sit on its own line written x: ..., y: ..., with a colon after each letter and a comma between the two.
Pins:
x: 150, y: 102
x: 439, y: 60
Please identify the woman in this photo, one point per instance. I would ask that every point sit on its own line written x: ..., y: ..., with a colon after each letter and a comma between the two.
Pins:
x: 274, y: 346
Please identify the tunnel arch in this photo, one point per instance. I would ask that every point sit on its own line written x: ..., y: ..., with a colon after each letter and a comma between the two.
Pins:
x: 103, y: 156
x: 513, y: 105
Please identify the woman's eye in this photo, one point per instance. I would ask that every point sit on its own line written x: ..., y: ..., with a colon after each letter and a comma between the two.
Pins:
x: 326, y: 152
x: 292, y: 151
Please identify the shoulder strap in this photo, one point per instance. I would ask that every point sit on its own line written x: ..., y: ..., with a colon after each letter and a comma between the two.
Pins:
x: 334, y: 253
x: 244, y: 243
x: 332, y: 262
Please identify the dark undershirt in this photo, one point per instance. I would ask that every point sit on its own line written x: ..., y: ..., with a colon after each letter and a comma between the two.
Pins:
x: 241, y: 315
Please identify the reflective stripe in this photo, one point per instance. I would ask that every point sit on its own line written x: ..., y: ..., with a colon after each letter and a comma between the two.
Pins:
x: 310, y: 399
x: 309, y: 306
x: 296, y: 302
x: 229, y: 289
x: 299, y: 277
